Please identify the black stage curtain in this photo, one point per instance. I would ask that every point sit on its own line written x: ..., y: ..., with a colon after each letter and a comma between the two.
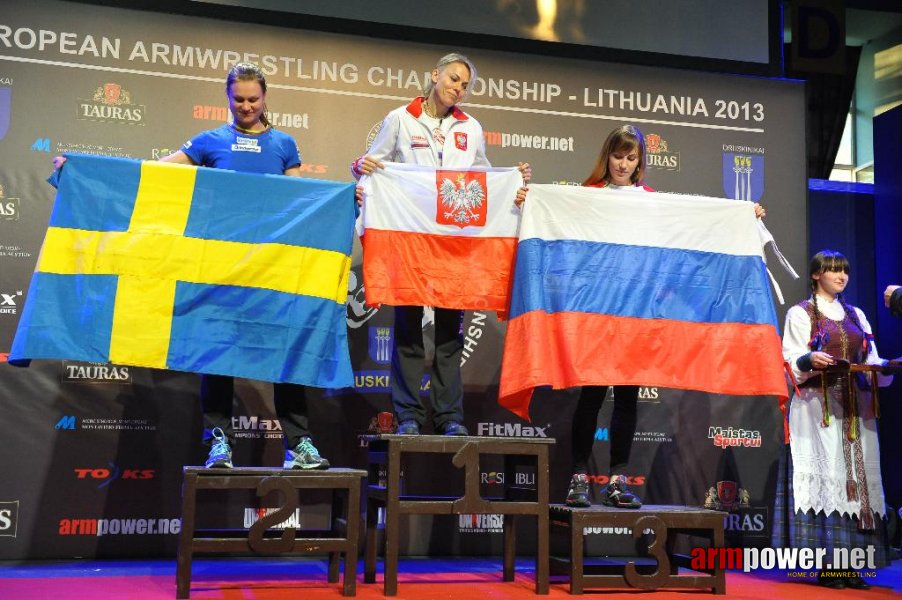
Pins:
x: 827, y: 97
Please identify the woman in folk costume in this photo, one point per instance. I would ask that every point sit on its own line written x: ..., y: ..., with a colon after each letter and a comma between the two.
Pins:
x: 830, y: 491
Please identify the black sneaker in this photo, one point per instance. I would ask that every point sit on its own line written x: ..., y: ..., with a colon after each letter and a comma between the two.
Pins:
x: 616, y: 494
x: 578, y: 492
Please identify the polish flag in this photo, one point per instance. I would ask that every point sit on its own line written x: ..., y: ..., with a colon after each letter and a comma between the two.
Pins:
x: 439, y: 237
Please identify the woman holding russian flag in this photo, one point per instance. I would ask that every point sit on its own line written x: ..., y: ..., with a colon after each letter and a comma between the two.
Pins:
x: 830, y: 490
x: 432, y: 131
x: 621, y: 165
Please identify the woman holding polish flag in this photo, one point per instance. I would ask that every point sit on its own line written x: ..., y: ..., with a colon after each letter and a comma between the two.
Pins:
x: 430, y: 131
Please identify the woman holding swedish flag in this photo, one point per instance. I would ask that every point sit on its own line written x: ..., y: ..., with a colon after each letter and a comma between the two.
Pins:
x: 249, y: 144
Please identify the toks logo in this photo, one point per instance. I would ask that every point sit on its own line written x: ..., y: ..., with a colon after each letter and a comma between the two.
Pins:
x: 106, y: 476
x: 462, y: 198
x: 111, y: 104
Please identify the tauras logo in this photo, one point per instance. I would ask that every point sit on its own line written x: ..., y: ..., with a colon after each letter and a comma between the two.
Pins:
x: 112, y: 104
x: 9, y: 518
x: 660, y: 155
x: 9, y: 207
x: 511, y: 430
x: 90, y: 372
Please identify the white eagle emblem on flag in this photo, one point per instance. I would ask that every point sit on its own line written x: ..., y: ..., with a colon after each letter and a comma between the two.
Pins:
x: 462, y: 200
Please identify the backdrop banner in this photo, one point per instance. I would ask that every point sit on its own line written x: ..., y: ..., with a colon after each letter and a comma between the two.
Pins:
x: 94, y: 450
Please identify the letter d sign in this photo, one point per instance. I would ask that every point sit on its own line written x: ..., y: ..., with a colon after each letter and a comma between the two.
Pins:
x: 818, y: 36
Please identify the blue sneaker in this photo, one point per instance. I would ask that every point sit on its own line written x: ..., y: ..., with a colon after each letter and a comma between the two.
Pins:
x: 304, y: 456
x: 220, y: 452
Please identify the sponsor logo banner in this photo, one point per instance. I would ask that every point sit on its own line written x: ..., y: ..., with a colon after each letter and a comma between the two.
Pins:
x: 472, y: 523
x: 728, y: 437
x: 125, y: 526
x: 81, y: 372
x: 252, y: 515
x: 512, y: 430
x: 9, y: 518
x: 660, y: 156
x: 9, y: 303
x: 9, y: 207
x: 742, y: 521
x: 110, y: 103
x: 104, y: 476
x: 253, y: 427
x: 73, y: 423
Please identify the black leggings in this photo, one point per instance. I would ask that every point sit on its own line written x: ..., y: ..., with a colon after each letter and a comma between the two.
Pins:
x: 623, y: 425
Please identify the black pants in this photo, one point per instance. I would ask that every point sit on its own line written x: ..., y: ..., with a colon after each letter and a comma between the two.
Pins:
x: 408, y: 354
x: 623, y: 425
x: 216, y: 401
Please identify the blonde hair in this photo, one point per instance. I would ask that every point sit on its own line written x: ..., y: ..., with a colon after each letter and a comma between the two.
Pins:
x: 454, y: 57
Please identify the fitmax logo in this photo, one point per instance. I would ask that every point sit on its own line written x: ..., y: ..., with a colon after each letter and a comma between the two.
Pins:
x: 511, y: 430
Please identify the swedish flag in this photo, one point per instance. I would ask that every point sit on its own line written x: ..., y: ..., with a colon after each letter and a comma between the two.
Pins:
x: 193, y: 269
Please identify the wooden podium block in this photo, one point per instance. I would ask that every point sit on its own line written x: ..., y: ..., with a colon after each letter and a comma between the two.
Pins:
x: 463, y: 452
x: 342, y: 538
x: 665, y: 521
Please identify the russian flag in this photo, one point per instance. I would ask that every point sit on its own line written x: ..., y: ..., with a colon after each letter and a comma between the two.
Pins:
x: 439, y: 237
x: 636, y: 288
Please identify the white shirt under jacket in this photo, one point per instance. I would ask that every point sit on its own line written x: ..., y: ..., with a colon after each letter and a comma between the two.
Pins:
x: 406, y: 137
x: 819, y: 471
